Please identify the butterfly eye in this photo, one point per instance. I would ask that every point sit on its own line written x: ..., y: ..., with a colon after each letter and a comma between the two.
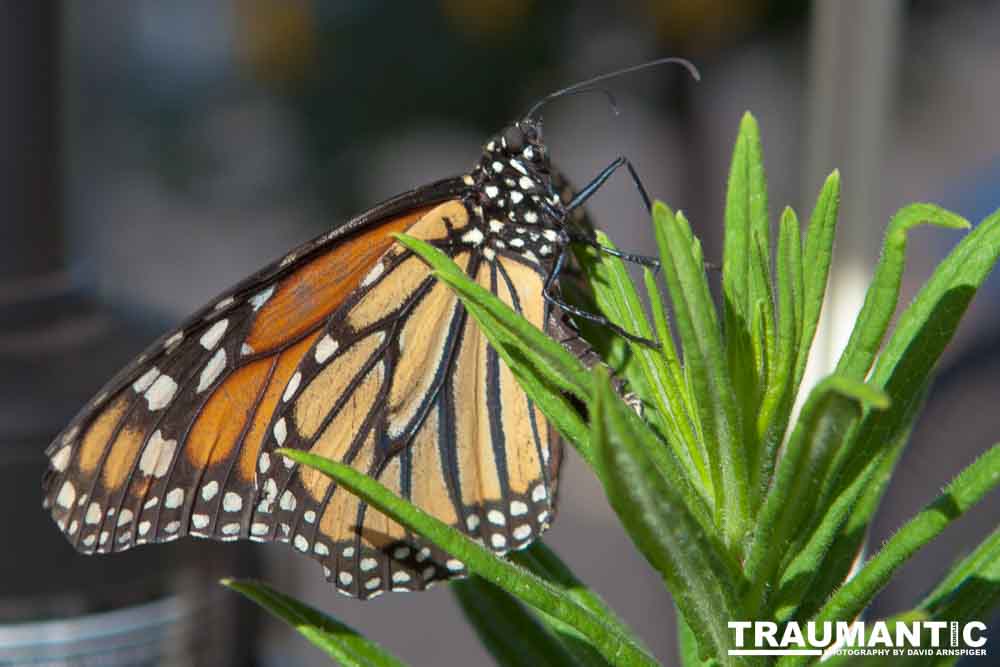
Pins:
x: 514, y: 138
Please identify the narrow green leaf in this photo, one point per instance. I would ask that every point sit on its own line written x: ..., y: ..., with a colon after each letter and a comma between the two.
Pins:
x: 832, y: 406
x: 706, y: 365
x: 745, y: 215
x: 972, y: 588
x: 694, y: 569
x: 337, y: 640
x: 930, y: 320
x: 818, y: 253
x: 883, y: 293
x: 665, y: 336
x: 745, y: 281
x: 819, y: 566
x: 764, y: 343
x: 617, y: 648
x: 967, y: 489
x: 687, y: 646
x: 543, y: 562
x: 678, y: 400
x: 512, y: 635
x: 617, y: 298
x: 923, y: 331
x: 776, y: 407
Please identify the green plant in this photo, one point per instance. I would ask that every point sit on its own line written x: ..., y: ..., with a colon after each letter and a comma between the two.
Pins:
x: 744, y: 514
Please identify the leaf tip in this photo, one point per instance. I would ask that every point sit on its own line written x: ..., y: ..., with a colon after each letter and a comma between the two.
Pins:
x: 748, y: 123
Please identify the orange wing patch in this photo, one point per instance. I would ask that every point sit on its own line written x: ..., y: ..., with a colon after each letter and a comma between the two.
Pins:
x: 307, y: 297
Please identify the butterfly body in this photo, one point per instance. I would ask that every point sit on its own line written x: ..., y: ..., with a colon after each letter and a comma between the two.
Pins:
x: 349, y: 348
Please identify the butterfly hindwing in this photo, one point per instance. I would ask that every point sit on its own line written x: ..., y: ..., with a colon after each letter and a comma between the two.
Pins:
x: 403, y: 386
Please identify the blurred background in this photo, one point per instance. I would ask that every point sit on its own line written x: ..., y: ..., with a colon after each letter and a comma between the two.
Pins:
x: 154, y: 153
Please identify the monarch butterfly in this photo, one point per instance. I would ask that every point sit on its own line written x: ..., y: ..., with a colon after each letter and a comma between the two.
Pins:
x: 349, y: 348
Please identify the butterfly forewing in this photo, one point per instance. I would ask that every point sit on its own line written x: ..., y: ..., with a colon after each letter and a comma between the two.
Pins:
x: 347, y: 348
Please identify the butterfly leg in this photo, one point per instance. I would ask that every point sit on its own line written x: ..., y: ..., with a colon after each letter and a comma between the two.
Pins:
x: 588, y: 191
x: 552, y: 296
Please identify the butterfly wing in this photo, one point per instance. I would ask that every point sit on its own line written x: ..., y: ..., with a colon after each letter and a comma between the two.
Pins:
x: 434, y: 415
x: 348, y: 348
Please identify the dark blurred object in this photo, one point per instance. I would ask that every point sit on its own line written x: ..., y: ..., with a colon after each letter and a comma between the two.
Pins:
x: 56, y: 346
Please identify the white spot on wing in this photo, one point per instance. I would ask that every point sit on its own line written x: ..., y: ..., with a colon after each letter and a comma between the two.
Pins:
x: 173, y: 340
x: 496, y: 517
x: 174, y: 499
x: 287, y: 501
x: 199, y: 521
x: 225, y: 303
x: 232, y: 502
x: 159, y: 395
x: 61, y: 459
x: 280, y: 431
x: 211, y: 338
x: 67, y: 494
x: 172, y: 527
x: 231, y: 529
x: 539, y: 494
x: 209, y: 490
x: 264, y: 464
x: 518, y: 508
x: 292, y: 387
x: 373, y: 275
x: 325, y: 349
x: 522, y: 532
x: 473, y: 236
x: 260, y: 298
x: 157, y: 456
x: 213, y: 369
x: 142, y: 384
x: 93, y: 514
x: 125, y: 517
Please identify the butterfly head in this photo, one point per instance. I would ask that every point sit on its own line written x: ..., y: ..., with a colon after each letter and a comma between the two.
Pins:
x: 514, y: 168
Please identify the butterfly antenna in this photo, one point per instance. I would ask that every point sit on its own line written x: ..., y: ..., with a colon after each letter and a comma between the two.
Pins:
x: 588, y: 85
